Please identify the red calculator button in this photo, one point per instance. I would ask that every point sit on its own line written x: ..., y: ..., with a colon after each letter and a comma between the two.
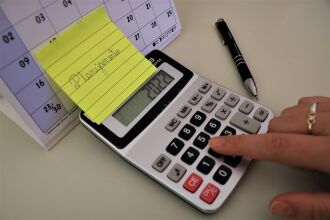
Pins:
x: 193, y: 182
x: 209, y: 193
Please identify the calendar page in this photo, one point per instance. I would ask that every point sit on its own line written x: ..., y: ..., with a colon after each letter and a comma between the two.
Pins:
x: 27, y: 24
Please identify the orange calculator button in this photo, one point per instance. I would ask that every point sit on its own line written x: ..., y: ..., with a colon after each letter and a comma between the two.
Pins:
x: 193, y: 182
x: 209, y: 193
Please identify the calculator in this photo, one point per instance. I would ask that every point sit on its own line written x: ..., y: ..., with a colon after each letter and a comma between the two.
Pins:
x: 163, y: 130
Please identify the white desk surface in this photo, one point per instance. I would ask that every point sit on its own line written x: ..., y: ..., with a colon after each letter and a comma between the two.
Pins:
x: 287, y: 47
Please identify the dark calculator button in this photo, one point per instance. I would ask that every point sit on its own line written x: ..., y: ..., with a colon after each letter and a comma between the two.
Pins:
x: 232, y: 160
x: 198, y: 118
x: 222, y: 175
x: 212, y: 126
x: 206, y: 165
x: 190, y: 156
x: 228, y: 131
x: 214, y: 154
x: 175, y: 146
x: 201, y: 140
x: 187, y: 132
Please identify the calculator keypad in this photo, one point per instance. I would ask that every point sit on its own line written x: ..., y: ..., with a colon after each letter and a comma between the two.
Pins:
x: 261, y: 114
x: 172, y: 124
x: 212, y: 126
x: 193, y: 182
x: 205, y: 87
x: 175, y: 146
x: 187, y: 132
x: 223, y: 112
x: 190, y: 155
x: 205, y: 165
x: 161, y: 163
x: 198, y: 118
x: 209, y: 105
x: 246, y: 107
x: 176, y: 173
x: 232, y: 100
x: 197, y: 154
x: 218, y: 94
x: 194, y: 100
x: 222, y: 174
x: 184, y: 111
x: 201, y: 140
x: 209, y: 193
x: 245, y: 123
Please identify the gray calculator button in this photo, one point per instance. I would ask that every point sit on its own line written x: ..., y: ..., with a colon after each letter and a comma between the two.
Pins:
x: 218, y: 94
x: 261, y: 114
x: 209, y: 105
x: 176, y: 173
x: 246, y: 107
x: 232, y: 100
x: 205, y: 87
x: 184, y: 111
x: 172, y: 124
x: 223, y: 112
x: 161, y: 163
x: 195, y: 98
x: 245, y: 123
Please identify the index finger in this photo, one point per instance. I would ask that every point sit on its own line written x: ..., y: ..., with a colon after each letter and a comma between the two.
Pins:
x: 292, y: 149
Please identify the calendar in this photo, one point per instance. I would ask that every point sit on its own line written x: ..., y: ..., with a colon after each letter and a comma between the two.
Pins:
x: 25, y: 25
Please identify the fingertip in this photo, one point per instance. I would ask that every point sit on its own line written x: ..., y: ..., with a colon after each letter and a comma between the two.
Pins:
x: 282, y: 209
x: 216, y: 142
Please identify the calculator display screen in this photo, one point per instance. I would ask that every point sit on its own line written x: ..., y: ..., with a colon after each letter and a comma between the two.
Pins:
x: 142, y: 98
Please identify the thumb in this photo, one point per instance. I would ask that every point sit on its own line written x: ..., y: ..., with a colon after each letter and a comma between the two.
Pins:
x: 302, y: 206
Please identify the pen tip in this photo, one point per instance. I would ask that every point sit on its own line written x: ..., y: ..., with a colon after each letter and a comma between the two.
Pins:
x: 220, y: 20
x: 256, y: 97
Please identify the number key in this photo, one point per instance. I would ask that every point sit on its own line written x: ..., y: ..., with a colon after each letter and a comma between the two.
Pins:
x: 232, y: 160
x: 187, y: 132
x: 212, y: 126
x: 206, y: 165
x: 198, y: 118
x: 214, y: 154
x: 175, y: 146
x: 201, y: 140
x: 190, y: 155
x: 228, y: 131
x: 222, y: 175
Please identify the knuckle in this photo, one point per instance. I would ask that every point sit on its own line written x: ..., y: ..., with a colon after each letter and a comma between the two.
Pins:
x: 319, y: 210
x: 275, y: 145
x: 303, y: 100
x: 285, y: 111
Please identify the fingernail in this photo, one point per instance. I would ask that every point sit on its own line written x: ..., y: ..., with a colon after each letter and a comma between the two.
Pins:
x: 282, y: 209
x: 216, y: 142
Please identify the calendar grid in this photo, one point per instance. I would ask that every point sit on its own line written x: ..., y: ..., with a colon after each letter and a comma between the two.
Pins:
x: 136, y: 22
x: 50, y: 22
x: 144, y: 22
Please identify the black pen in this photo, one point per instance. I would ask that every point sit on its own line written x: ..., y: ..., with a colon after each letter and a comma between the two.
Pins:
x: 239, y: 61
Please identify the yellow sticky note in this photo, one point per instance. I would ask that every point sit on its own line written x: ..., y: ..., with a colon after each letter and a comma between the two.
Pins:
x: 95, y: 65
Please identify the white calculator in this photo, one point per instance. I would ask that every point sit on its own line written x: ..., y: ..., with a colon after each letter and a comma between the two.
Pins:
x: 164, y: 128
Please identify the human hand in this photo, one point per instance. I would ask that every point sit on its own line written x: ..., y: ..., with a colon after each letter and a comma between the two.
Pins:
x: 287, y: 142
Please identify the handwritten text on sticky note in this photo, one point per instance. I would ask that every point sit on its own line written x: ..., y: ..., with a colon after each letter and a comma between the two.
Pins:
x: 95, y: 65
